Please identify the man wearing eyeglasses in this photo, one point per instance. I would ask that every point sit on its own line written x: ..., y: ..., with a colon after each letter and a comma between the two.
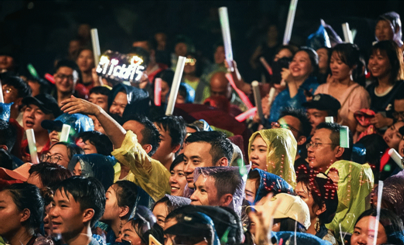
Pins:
x: 324, y: 148
x: 66, y: 77
x: 399, y: 105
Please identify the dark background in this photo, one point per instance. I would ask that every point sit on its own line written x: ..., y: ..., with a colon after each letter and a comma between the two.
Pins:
x: 40, y: 31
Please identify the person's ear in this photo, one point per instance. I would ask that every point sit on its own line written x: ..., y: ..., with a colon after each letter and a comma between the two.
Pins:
x: 339, y: 152
x: 176, y: 148
x: 25, y: 214
x: 223, y: 162
x: 301, y: 140
x: 123, y: 211
x: 147, y: 148
x: 225, y: 200
x: 320, y: 210
x: 88, y: 214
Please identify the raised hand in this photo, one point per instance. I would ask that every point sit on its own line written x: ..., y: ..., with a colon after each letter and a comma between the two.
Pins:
x: 76, y: 105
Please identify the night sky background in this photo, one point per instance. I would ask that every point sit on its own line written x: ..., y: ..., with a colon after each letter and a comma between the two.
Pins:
x: 40, y: 31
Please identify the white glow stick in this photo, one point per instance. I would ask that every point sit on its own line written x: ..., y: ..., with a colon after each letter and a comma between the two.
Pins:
x: 347, y: 33
x: 396, y: 157
x: 224, y: 23
x: 289, y: 22
x: 379, y: 202
x: 271, y: 96
x: 257, y: 98
x: 64, y: 136
x: 32, y: 145
x: 176, y: 84
x: 96, y: 46
x: 1, y: 93
x: 329, y: 119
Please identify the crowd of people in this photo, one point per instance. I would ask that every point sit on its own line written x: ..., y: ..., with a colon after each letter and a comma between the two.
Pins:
x: 306, y: 171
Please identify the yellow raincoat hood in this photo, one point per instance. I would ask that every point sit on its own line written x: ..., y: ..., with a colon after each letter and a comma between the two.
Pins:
x: 354, y: 185
x: 281, y: 152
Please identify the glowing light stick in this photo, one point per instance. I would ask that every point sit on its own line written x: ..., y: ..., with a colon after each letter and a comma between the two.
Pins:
x: 347, y: 33
x: 96, y: 45
x: 32, y: 70
x: 157, y: 92
x: 289, y: 22
x: 176, y: 84
x: 257, y: 98
x: 379, y: 202
x: 344, y: 137
x: 243, y: 116
x: 240, y: 93
x: 396, y: 157
x: 1, y: 93
x: 271, y: 96
x: 32, y: 145
x: 329, y: 119
x: 64, y: 136
x: 50, y: 78
x: 266, y: 65
x: 224, y: 23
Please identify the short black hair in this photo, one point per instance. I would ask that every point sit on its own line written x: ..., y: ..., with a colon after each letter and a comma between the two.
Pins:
x: 126, y: 195
x: 72, y: 149
x: 348, y: 53
x: 22, y: 87
x: 68, y: 63
x: 150, y: 133
x: 8, y: 135
x: 101, y: 142
x: 179, y: 159
x: 176, y: 127
x: 228, y: 180
x: 335, y: 137
x: 50, y: 173
x: 88, y: 192
x: 28, y: 196
x: 305, y: 126
x: 100, y: 90
x: 221, y: 146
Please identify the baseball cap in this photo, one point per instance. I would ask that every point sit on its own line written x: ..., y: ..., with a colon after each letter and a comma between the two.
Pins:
x: 323, y: 102
x: 45, y: 102
x: 20, y: 173
x: 52, y: 125
x: 292, y: 207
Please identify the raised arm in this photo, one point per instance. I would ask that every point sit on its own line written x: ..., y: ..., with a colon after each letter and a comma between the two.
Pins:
x: 113, y: 130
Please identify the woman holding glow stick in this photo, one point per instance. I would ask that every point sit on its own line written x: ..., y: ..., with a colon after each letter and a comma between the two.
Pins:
x: 300, y: 82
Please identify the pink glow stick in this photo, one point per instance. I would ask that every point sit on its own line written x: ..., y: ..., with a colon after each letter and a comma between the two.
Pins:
x: 243, y: 116
x: 157, y: 92
x: 240, y: 93
x: 50, y: 78
x: 266, y: 65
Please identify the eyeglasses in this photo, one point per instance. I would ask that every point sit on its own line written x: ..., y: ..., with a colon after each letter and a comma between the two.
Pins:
x: 50, y: 158
x: 285, y: 126
x: 63, y: 77
x: 398, y: 114
x: 316, y: 144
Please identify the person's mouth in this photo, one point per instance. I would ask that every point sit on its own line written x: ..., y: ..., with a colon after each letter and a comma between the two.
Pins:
x: 295, y: 69
x: 190, y: 179
x: 335, y: 73
x: 29, y: 123
x: 175, y: 188
x: 254, y: 165
x: 310, y: 158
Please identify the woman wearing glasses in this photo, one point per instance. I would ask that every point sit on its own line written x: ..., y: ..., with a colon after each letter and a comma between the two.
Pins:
x: 61, y: 153
x: 274, y: 151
